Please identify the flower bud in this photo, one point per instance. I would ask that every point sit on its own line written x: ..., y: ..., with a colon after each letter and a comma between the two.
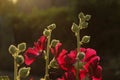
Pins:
x: 87, y: 17
x: 80, y: 55
x: 85, y: 39
x: 75, y: 28
x: 46, y: 32
x: 84, y: 25
x: 52, y: 26
x: 81, y: 15
x: 22, y: 47
x: 19, y: 59
x: 53, y: 63
x: 78, y: 65
x: 13, y: 49
x: 54, y: 42
x: 24, y: 72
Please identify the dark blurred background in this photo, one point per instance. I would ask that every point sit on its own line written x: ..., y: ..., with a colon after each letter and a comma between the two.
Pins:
x: 25, y: 20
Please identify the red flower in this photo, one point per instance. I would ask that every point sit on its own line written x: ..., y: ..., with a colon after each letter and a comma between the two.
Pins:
x: 92, y: 69
x: 32, y: 53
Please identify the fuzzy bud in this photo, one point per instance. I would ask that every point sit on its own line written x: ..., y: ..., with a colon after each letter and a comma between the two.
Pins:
x: 81, y: 15
x: 54, y: 42
x: 13, y: 49
x: 75, y: 28
x: 78, y: 65
x: 22, y: 47
x: 80, y: 55
x: 53, y: 63
x: 87, y: 17
x: 46, y: 32
x: 84, y: 25
x: 85, y: 39
x: 24, y: 72
x: 52, y: 26
x: 19, y: 59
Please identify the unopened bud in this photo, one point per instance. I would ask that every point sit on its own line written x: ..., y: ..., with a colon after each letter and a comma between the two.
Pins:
x: 84, y: 25
x: 75, y: 28
x: 13, y: 49
x: 19, y: 59
x: 22, y: 47
x: 87, y: 17
x: 54, y: 42
x: 46, y: 32
x: 78, y: 65
x: 85, y: 39
x: 24, y: 72
x: 81, y: 15
x: 80, y: 55
x: 52, y: 26
x: 53, y: 63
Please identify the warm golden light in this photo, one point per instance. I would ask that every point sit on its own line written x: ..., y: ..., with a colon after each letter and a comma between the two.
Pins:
x: 14, y: 1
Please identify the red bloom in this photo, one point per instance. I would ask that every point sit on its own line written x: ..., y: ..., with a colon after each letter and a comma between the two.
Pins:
x: 92, y: 69
x: 32, y: 53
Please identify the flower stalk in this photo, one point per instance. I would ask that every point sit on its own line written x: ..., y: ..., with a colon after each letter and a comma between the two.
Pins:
x: 15, y: 69
x: 47, y: 58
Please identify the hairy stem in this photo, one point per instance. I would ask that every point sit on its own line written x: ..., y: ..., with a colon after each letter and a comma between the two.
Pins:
x: 15, y: 69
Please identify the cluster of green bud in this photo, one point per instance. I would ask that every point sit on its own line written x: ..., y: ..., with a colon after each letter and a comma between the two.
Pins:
x: 24, y: 72
x: 47, y: 31
x: 83, y: 18
x: 16, y: 50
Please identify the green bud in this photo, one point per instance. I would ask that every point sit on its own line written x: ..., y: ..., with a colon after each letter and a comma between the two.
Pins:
x: 19, y: 59
x: 13, y: 49
x: 22, y: 47
x: 87, y: 17
x: 81, y: 15
x: 85, y: 39
x: 75, y: 28
x: 52, y: 26
x: 53, y: 63
x: 54, y: 42
x: 24, y: 72
x: 84, y: 25
x: 78, y: 65
x: 80, y: 55
x: 46, y: 32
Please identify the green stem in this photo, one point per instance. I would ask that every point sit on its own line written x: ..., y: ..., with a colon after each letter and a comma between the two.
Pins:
x: 78, y: 50
x: 47, y: 58
x: 15, y: 69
